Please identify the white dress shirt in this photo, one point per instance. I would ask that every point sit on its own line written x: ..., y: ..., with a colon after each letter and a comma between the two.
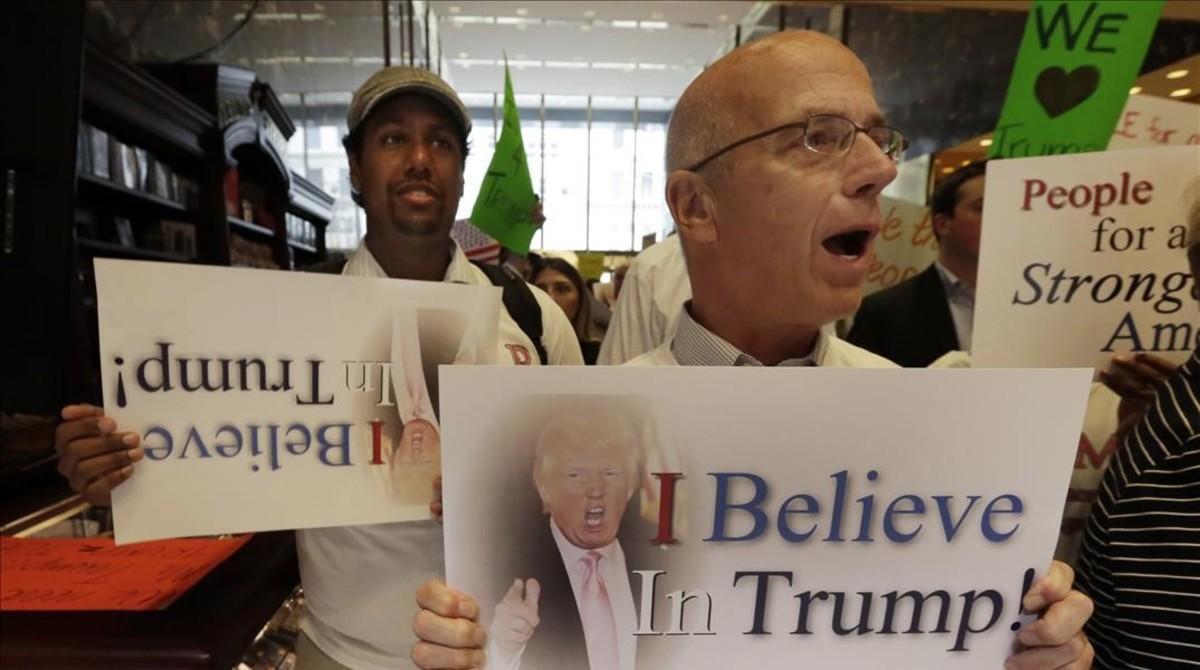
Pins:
x: 616, y: 580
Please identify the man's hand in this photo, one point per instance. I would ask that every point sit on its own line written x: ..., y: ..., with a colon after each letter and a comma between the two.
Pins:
x: 435, y: 507
x: 515, y: 619
x: 93, y: 457
x: 1133, y: 378
x: 1056, y: 639
x: 448, y: 636
x: 536, y: 216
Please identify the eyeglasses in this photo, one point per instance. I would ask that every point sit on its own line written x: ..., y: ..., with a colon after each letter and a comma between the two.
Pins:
x: 827, y: 134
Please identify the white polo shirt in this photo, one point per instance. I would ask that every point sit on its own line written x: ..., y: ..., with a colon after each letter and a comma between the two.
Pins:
x: 359, y: 581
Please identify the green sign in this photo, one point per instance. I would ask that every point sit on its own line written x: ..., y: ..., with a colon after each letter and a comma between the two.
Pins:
x: 504, y: 207
x: 1072, y: 75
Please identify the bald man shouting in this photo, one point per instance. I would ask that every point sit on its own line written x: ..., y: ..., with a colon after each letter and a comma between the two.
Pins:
x: 777, y: 155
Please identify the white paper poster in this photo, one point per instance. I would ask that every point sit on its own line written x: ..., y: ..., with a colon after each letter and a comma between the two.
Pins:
x: 1149, y: 121
x: 904, y: 247
x: 747, y: 517
x: 1084, y: 256
x: 270, y: 400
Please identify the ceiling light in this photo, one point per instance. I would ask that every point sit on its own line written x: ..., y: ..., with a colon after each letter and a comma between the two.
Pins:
x: 454, y: 9
x: 652, y: 25
x: 966, y: 163
x: 1180, y: 93
x: 463, y: 54
x: 521, y: 11
x: 947, y: 170
x: 723, y: 18
x: 1177, y: 74
x: 985, y: 143
x: 624, y: 24
x: 590, y: 13
x: 1135, y: 90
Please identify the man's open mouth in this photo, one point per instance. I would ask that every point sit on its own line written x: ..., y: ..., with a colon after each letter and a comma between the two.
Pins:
x: 593, y: 518
x: 850, y: 245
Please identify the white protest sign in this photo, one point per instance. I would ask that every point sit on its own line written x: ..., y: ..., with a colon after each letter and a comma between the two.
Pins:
x: 755, y: 517
x: 270, y: 400
x: 1148, y: 121
x: 1083, y: 256
x: 904, y: 247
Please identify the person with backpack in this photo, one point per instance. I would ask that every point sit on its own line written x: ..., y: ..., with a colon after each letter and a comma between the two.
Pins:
x: 407, y: 148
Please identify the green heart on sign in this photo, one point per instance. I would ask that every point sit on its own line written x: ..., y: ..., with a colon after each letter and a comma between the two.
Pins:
x: 1059, y: 92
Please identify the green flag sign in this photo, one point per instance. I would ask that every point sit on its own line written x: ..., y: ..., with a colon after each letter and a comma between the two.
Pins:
x: 1072, y: 75
x: 504, y: 207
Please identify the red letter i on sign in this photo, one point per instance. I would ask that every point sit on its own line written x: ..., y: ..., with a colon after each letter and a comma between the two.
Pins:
x: 377, y: 442
x: 666, y: 507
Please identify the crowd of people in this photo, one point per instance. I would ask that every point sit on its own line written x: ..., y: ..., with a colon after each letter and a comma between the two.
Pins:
x: 776, y: 157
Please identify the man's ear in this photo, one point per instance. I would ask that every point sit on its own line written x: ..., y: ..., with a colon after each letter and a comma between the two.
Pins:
x: 693, y: 206
x: 355, y: 171
x: 542, y: 493
x: 941, y: 225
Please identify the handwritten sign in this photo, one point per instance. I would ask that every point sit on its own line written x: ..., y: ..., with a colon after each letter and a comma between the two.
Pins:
x: 505, y: 204
x: 905, y: 246
x: 904, y: 541
x: 1072, y: 75
x: 1084, y: 257
x: 273, y: 400
x: 1148, y: 121
x: 591, y: 265
x: 95, y: 574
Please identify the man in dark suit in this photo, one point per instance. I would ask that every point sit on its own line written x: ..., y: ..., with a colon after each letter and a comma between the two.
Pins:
x: 574, y: 607
x: 922, y: 318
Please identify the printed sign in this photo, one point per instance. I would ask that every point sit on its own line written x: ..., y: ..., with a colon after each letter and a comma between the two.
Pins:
x: 1072, y: 75
x: 1085, y: 257
x: 709, y: 520
x: 273, y: 400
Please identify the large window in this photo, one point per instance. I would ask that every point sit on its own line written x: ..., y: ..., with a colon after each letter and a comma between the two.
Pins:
x: 597, y: 162
x: 316, y: 152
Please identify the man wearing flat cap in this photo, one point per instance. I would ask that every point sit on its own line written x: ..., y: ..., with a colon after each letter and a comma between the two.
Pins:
x: 407, y: 147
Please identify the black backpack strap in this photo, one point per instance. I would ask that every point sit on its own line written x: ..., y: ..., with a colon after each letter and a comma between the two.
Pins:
x: 520, y: 302
x: 333, y: 267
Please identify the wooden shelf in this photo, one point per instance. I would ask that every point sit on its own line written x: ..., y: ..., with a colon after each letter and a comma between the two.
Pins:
x: 98, y: 185
x: 109, y: 249
x: 242, y: 226
x: 300, y: 246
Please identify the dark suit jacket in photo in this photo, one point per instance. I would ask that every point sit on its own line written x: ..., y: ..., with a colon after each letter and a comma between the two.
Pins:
x: 559, y: 643
x: 909, y: 323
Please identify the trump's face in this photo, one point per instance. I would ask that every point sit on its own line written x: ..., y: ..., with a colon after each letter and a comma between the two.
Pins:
x: 585, y: 491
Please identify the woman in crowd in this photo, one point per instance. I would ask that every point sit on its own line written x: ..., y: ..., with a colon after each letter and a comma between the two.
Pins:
x: 562, y: 281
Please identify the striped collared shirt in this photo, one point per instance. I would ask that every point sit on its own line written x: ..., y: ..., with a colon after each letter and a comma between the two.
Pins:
x: 693, y: 344
x: 1140, y: 560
